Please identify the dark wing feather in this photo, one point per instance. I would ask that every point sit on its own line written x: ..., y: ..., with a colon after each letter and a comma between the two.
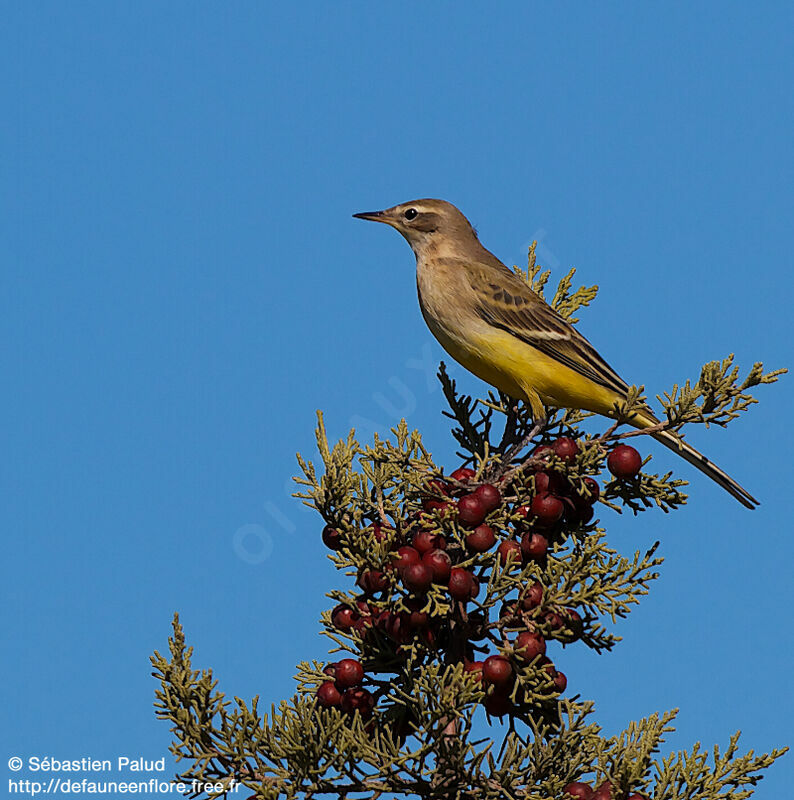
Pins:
x: 507, y: 302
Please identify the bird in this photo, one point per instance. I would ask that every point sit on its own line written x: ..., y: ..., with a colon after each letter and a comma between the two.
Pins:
x: 492, y: 323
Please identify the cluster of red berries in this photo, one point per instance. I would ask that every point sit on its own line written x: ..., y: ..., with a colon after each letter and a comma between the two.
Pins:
x: 498, y: 675
x: 606, y: 791
x: 423, y: 558
x: 400, y: 626
x: 344, y: 690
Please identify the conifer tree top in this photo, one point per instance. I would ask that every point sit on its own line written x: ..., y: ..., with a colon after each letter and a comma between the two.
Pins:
x: 463, y: 590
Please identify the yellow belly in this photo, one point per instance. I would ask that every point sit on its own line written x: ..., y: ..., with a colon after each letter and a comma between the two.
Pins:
x: 522, y: 371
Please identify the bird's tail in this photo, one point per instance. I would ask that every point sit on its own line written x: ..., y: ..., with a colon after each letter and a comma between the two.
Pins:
x: 697, y: 459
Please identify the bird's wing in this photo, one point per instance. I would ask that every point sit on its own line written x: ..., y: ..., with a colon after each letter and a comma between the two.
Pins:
x: 507, y: 302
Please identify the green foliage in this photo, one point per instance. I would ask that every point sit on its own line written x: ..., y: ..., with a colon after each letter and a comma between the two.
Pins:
x: 717, y: 397
x: 420, y: 649
x: 300, y: 750
x: 564, y: 302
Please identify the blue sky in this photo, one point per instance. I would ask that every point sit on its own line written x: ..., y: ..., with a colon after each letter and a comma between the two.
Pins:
x: 184, y: 286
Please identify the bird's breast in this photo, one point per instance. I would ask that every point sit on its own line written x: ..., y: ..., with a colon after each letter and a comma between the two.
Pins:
x: 445, y: 300
x: 448, y: 305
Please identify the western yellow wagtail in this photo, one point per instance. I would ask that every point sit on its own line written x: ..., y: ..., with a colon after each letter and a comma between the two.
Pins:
x: 490, y: 321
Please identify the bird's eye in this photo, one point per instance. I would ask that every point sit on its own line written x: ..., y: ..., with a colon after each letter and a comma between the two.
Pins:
x: 410, y: 213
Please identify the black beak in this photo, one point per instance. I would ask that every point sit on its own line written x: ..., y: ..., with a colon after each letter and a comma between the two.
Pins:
x: 374, y: 216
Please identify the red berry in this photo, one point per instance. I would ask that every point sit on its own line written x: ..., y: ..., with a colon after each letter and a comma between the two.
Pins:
x: 328, y: 695
x: 372, y: 580
x: 406, y: 556
x: 497, y: 670
x: 566, y: 448
x: 523, y: 511
x: 381, y: 618
x: 330, y: 669
x: 547, y: 508
x: 417, y: 577
x: 481, y: 539
x: 592, y: 491
x: 581, y: 514
x: 439, y: 563
x: 417, y: 618
x: 463, y: 475
x: 529, y: 645
x: 380, y: 532
x: 558, y: 622
x: 532, y: 596
x: 343, y: 618
x: 427, y: 540
x: 603, y: 792
x: 534, y: 545
x: 542, y: 451
x: 548, y: 483
x: 554, y: 621
x: 498, y: 704
x: 489, y: 496
x: 429, y: 636
x: 398, y: 626
x: 546, y: 664
x: 578, y: 790
x: 349, y: 672
x: 509, y: 551
x: 624, y: 461
x: 573, y: 622
x: 471, y: 511
x: 332, y: 539
x: 362, y: 624
x: 542, y: 483
x: 474, y: 668
x: 438, y: 486
x: 560, y: 682
x: 358, y: 699
x: 461, y: 584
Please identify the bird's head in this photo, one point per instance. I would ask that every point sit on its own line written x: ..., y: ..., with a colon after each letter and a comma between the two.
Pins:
x: 428, y: 225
